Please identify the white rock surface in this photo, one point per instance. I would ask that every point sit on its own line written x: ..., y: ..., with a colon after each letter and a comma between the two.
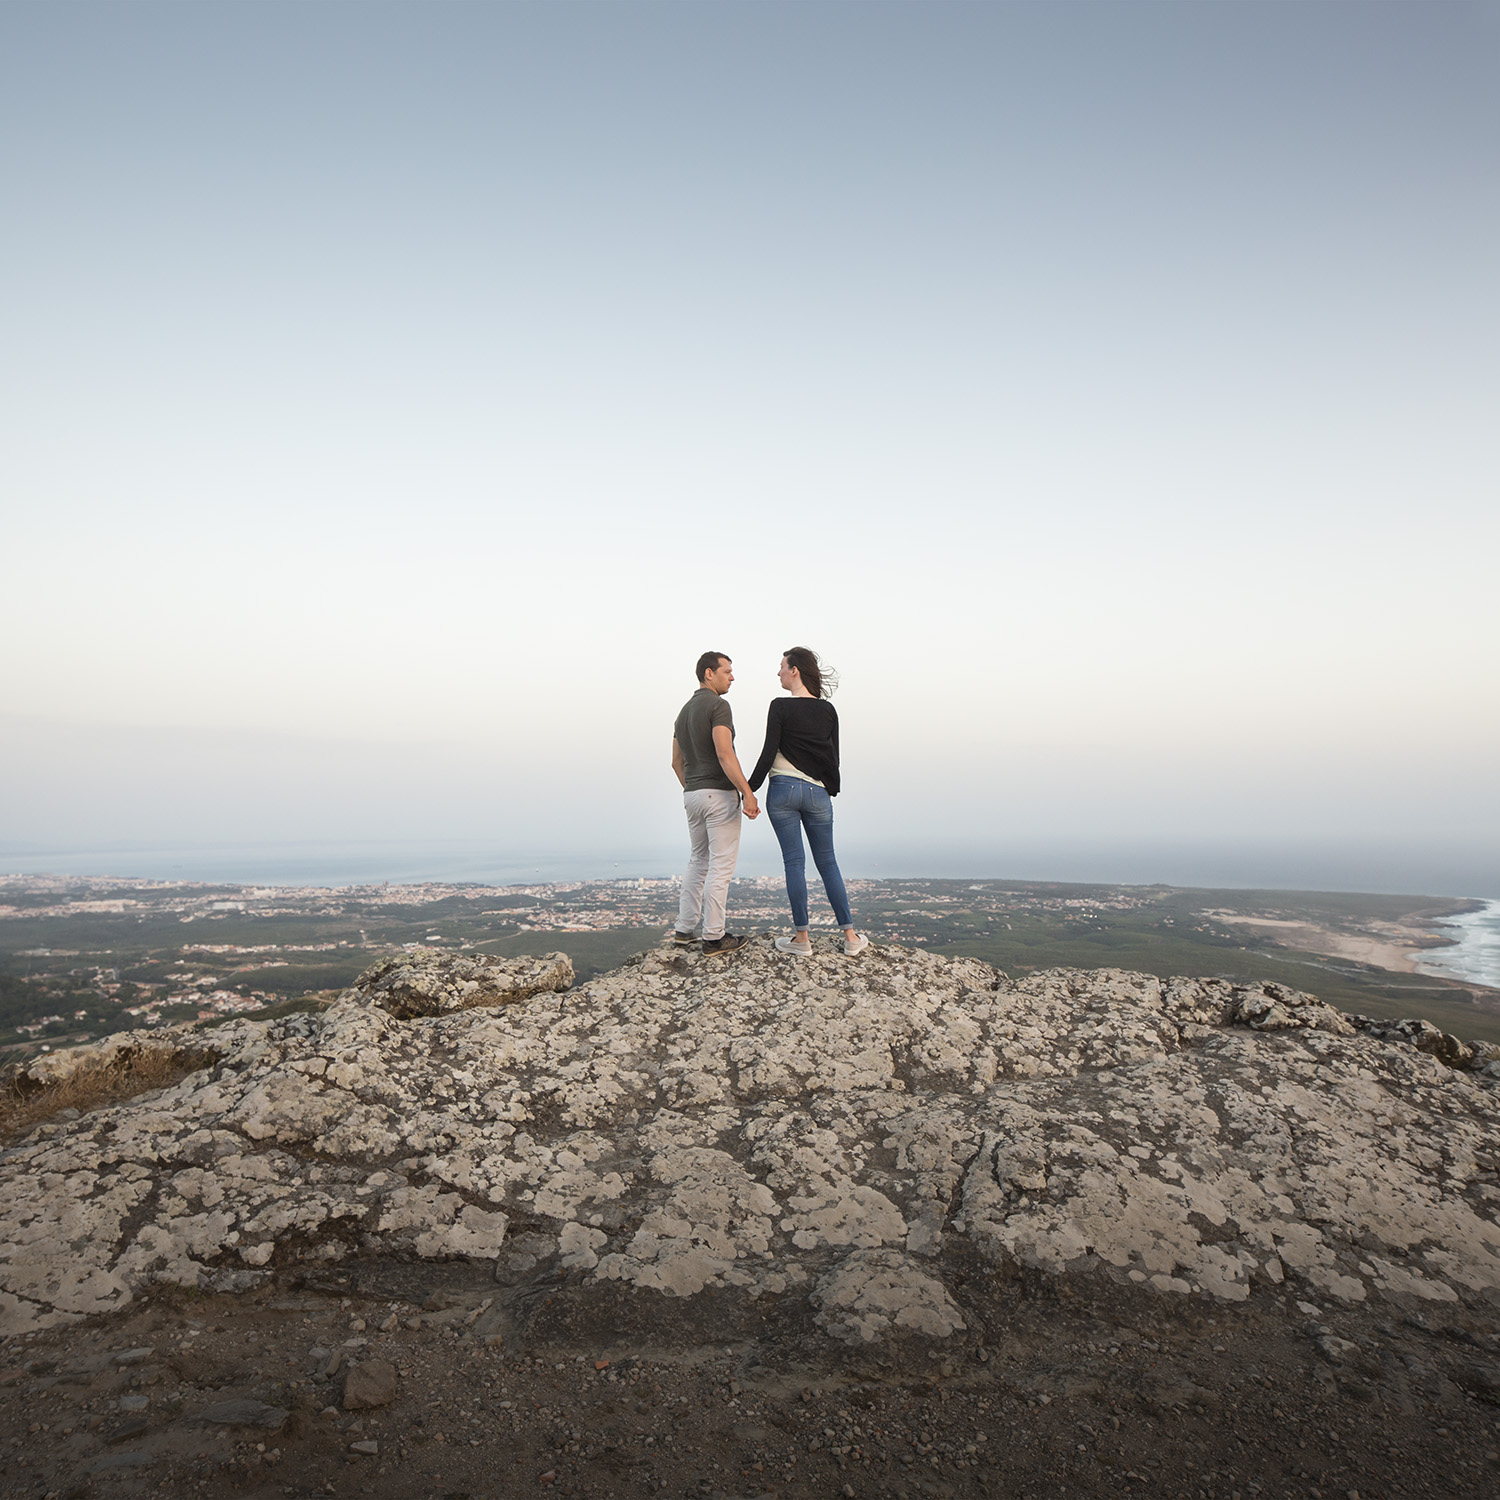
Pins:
x: 837, y: 1130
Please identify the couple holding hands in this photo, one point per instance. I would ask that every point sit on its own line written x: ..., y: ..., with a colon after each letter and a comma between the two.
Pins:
x: 801, y: 757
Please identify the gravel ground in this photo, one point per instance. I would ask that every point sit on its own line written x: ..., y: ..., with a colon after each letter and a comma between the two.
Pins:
x: 561, y: 1389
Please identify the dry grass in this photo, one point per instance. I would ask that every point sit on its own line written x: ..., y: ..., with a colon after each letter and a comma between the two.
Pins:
x: 24, y: 1104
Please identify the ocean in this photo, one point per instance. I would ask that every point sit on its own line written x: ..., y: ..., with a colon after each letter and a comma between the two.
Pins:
x: 1475, y: 954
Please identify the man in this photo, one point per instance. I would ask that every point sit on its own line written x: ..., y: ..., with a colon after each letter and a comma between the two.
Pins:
x: 713, y: 787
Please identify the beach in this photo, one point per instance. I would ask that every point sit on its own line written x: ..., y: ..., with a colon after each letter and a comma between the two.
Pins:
x: 1400, y: 948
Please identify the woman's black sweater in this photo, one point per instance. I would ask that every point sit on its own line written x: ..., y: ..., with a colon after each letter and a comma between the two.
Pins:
x: 806, y: 732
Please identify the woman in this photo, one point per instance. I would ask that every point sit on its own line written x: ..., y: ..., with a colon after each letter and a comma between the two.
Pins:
x: 801, y: 756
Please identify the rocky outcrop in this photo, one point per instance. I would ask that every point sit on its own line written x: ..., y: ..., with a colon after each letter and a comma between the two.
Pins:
x: 1426, y: 1037
x: 427, y: 984
x: 855, y: 1135
x: 181, y: 1044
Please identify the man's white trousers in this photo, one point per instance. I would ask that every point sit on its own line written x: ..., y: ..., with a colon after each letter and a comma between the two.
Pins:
x: 714, y: 827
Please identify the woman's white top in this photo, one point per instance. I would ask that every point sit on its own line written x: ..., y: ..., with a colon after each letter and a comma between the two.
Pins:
x: 781, y: 766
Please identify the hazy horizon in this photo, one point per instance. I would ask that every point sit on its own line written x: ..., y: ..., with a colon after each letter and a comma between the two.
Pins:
x: 1392, y: 870
x: 399, y: 398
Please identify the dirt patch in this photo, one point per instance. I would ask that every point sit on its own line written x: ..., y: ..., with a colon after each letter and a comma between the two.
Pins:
x: 555, y: 1389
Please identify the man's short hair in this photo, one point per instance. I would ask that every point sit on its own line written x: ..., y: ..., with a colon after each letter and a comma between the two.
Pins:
x: 709, y: 662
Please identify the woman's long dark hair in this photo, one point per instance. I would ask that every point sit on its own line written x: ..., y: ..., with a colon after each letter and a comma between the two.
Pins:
x: 817, y: 677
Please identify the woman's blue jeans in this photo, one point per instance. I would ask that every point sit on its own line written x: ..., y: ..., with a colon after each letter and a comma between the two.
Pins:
x: 793, y: 805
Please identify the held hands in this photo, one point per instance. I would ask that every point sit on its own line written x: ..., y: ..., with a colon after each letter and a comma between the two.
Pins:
x: 752, y: 807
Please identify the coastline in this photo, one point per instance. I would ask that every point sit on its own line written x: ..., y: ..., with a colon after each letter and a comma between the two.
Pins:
x: 1469, y: 952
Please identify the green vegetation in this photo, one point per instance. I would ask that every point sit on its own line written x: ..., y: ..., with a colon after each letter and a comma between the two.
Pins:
x: 592, y: 952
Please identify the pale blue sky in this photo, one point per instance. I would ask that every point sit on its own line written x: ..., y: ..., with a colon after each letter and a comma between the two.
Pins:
x: 396, y: 399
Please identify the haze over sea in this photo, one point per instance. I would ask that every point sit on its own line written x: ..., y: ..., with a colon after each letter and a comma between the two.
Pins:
x: 1410, y: 870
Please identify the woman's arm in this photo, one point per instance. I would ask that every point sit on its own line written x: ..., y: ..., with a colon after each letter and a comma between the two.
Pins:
x: 771, y: 746
x: 833, y: 785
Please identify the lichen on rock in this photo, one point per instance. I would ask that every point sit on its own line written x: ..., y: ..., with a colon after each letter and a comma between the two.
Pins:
x: 855, y: 1135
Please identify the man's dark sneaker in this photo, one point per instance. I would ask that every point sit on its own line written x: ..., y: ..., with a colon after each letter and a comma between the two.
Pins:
x: 729, y: 943
x: 683, y: 939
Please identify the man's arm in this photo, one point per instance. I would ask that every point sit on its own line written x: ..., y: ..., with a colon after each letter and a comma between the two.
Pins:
x: 679, y: 765
x: 724, y: 745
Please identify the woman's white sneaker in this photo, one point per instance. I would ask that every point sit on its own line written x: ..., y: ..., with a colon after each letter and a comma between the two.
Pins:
x: 802, y: 945
x: 860, y: 943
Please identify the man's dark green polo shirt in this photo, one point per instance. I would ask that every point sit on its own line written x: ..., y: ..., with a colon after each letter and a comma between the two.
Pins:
x: 694, y: 732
